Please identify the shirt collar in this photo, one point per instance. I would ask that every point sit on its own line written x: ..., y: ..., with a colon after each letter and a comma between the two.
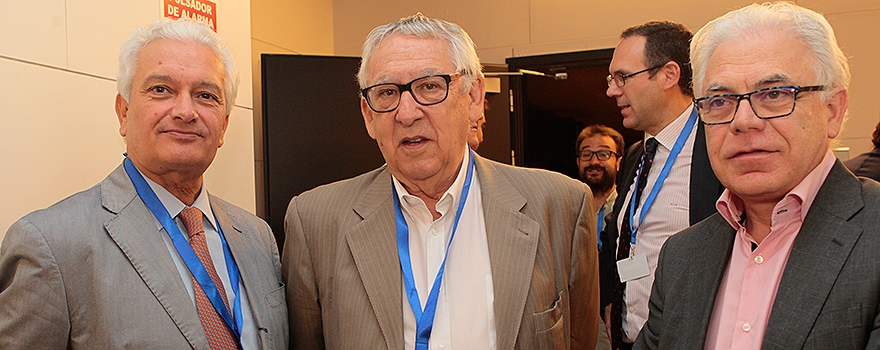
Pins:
x: 449, y: 197
x: 669, y: 134
x: 731, y: 207
x: 174, y: 206
x: 609, y: 202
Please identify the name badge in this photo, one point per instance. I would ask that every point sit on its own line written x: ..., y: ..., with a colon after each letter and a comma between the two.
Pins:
x: 633, y: 268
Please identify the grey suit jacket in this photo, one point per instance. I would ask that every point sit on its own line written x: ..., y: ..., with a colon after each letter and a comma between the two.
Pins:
x: 344, y: 282
x: 866, y: 164
x: 82, y: 274
x: 829, y: 293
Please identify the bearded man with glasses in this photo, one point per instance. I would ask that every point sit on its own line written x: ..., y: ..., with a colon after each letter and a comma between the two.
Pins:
x: 790, y: 260
x: 440, y: 247
x: 599, y: 149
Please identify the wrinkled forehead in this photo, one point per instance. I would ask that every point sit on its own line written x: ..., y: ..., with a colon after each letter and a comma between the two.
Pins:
x: 758, y: 60
x: 400, y: 56
x: 163, y: 50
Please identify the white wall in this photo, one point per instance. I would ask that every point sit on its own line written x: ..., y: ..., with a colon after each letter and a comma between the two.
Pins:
x: 59, y: 134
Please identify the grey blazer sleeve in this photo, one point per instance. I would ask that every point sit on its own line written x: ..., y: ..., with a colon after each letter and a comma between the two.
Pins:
x: 584, y: 280
x: 33, y: 307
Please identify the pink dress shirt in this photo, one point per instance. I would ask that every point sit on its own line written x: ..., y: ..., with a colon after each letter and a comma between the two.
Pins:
x: 745, y: 296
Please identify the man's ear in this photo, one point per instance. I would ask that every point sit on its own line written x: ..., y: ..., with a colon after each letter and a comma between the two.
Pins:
x: 223, y: 132
x: 837, y: 105
x: 671, y: 74
x: 122, y: 114
x: 367, y: 113
x: 477, y: 98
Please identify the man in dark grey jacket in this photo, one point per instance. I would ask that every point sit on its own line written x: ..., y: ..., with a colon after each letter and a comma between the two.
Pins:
x: 790, y: 259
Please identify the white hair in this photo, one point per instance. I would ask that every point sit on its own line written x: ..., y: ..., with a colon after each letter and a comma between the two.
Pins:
x: 462, y: 50
x: 810, y: 27
x: 183, y: 30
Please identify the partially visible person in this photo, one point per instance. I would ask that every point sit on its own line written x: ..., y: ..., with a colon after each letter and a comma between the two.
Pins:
x: 790, y: 261
x: 599, y: 149
x: 147, y: 258
x: 665, y: 183
x: 438, y: 248
x: 868, y: 164
x: 475, y: 133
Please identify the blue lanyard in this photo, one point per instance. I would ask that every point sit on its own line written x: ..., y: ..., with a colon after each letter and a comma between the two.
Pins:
x: 679, y: 144
x: 188, y: 255
x: 425, y: 320
x: 599, y: 224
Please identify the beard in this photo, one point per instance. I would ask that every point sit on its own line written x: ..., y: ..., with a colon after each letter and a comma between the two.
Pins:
x: 598, y: 183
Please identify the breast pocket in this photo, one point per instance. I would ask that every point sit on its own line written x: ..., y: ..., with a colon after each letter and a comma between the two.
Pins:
x: 276, y: 297
x: 549, y: 325
x: 841, y: 328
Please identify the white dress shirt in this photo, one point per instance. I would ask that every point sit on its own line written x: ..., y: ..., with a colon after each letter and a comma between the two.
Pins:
x: 465, y: 317
x: 250, y: 338
x: 669, y: 214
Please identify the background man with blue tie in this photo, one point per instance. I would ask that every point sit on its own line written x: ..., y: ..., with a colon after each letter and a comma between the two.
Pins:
x: 665, y: 184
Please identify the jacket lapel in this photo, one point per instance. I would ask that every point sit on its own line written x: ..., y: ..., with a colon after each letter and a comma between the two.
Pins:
x: 703, y: 275
x: 512, y: 239
x: 133, y: 230
x: 625, y: 179
x: 373, y: 245
x: 817, y: 256
x: 627, y: 175
x: 244, y: 250
x: 248, y: 257
x: 513, y: 242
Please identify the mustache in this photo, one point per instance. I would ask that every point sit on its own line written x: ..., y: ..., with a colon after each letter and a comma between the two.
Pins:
x: 594, y: 167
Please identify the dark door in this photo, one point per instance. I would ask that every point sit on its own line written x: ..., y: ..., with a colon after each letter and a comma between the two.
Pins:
x: 313, y: 132
x: 550, y: 111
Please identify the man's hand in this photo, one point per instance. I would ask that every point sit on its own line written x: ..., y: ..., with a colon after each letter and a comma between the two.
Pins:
x: 608, y: 320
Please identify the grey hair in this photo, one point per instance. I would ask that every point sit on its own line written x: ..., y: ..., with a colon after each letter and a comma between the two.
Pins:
x: 462, y: 50
x: 183, y: 30
x: 810, y: 27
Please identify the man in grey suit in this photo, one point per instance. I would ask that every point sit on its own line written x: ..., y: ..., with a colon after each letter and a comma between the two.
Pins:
x: 110, y: 267
x: 439, y: 247
x: 790, y: 261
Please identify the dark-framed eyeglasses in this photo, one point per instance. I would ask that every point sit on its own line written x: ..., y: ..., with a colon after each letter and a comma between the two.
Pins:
x: 620, y: 80
x: 426, y: 91
x: 767, y: 103
x: 601, y: 155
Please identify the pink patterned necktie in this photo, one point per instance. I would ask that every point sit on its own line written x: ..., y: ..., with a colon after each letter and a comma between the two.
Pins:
x: 219, y: 334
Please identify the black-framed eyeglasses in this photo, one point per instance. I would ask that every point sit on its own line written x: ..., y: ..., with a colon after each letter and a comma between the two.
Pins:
x: 586, y: 155
x: 620, y: 80
x: 426, y: 91
x: 767, y: 103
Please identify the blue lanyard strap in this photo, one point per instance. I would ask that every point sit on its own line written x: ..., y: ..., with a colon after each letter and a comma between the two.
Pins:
x: 679, y: 144
x: 188, y: 255
x: 425, y: 320
x: 600, y: 222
